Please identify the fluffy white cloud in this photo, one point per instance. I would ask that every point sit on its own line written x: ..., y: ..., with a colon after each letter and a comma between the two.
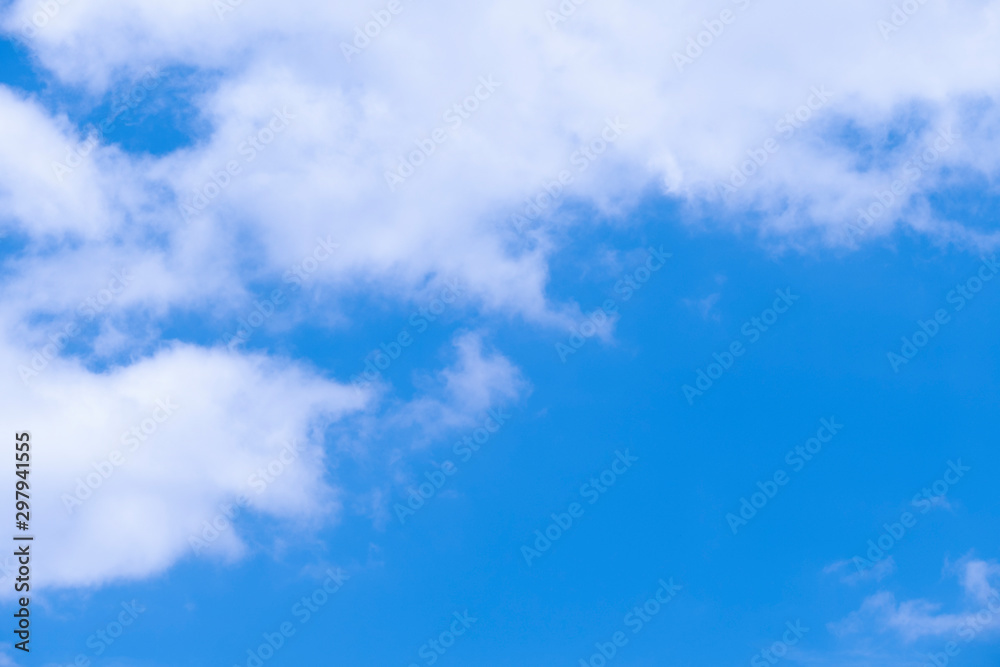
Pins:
x: 139, y: 466
x: 128, y: 464
x: 879, y: 101
x: 689, y: 123
x: 411, y: 156
x: 35, y: 196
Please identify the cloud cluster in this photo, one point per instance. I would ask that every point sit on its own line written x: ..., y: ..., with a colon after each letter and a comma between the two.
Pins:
x: 813, y: 112
x: 131, y: 463
x: 697, y: 92
x: 783, y: 115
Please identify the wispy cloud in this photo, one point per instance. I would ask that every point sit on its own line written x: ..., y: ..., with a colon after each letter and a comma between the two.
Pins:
x: 915, y: 620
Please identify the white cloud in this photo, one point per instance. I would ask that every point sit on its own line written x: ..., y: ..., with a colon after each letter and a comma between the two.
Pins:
x: 913, y: 620
x: 685, y: 130
x: 190, y: 426
x: 705, y: 305
x: 476, y: 382
x: 131, y: 463
x: 34, y: 196
x: 324, y: 176
x: 692, y: 126
x: 850, y: 574
x: 975, y: 576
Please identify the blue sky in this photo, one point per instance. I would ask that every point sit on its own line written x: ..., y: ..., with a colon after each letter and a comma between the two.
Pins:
x: 304, y: 248
x: 665, y: 517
